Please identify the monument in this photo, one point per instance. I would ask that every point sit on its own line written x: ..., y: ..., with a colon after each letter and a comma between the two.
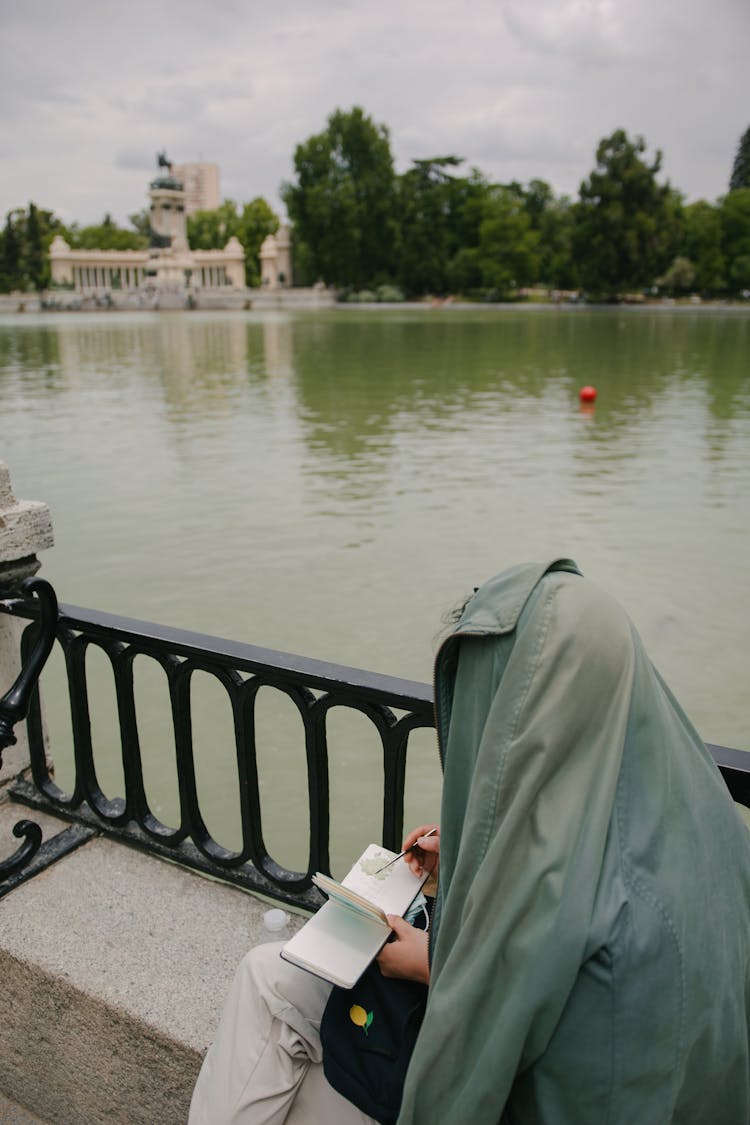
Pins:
x: 168, y: 273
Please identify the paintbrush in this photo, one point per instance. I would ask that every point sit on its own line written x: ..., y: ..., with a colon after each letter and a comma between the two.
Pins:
x: 406, y: 851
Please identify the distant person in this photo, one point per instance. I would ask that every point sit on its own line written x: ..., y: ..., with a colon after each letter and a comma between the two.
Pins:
x: 590, y: 947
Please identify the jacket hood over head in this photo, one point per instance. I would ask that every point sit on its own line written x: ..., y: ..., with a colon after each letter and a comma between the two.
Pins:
x: 584, y: 827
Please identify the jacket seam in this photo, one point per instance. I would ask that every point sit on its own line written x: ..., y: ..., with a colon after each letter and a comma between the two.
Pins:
x: 546, y: 611
x: 638, y: 887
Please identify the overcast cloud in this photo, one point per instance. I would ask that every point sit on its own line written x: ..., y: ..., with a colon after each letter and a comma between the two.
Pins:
x: 90, y: 91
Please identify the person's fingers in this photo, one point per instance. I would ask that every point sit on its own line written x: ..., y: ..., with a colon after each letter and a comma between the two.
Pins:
x: 415, y: 833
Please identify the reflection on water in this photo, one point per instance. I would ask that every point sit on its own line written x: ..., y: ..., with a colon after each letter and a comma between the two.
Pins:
x: 330, y: 483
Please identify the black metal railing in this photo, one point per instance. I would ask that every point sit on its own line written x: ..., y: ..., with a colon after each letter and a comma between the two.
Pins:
x: 394, y: 707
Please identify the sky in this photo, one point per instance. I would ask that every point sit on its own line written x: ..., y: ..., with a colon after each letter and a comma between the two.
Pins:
x: 521, y: 89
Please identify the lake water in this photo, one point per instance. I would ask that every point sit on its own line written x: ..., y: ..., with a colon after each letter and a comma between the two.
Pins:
x: 332, y: 483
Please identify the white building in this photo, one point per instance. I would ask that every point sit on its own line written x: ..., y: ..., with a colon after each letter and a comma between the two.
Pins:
x: 201, y: 185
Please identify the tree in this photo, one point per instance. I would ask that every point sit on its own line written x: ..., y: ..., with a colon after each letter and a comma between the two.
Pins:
x: 557, y: 264
x: 140, y: 221
x: 537, y: 197
x: 627, y: 225
x: 464, y: 270
x: 10, y: 256
x: 508, y: 247
x: 468, y: 197
x: 735, y: 224
x: 427, y: 239
x: 26, y: 237
x: 702, y: 246
x: 257, y: 221
x: 679, y: 278
x: 36, y: 264
x: 440, y: 215
x: 740, y: 177
x: 105, y: 236
x: 211, y: 230
x: 553, y: 220
x: 343, y: 202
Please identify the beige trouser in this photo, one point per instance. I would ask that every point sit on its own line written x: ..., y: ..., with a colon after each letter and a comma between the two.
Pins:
x: 264, y: 1066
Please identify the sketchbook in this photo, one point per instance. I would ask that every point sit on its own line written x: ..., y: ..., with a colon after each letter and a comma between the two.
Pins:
x: 340, y: 941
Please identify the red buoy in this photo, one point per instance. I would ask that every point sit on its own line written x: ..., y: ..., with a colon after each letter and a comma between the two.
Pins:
x: 587, y: 394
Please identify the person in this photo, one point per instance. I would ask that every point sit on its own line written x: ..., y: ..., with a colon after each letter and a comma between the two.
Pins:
x: 589, y: 954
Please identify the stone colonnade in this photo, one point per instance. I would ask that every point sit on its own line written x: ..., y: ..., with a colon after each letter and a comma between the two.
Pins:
x: 102, y: 270
x: 107, y: 277
x: 210, y: 276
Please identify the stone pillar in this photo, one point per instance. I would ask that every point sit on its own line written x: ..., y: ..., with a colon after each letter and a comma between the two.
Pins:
x: 234, y: 269
x: 268, y: 256
x: 25, y: 528
x: 59, y: 258
x: 283, y: 258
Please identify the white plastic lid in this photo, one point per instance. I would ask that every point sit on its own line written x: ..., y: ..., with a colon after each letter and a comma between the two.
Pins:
x: 275, y: 920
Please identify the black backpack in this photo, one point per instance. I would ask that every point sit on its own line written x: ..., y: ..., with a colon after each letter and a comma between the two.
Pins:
x: 368, y: 1034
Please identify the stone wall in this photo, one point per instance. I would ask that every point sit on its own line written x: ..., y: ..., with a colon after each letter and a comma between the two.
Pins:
x: 114, y: 967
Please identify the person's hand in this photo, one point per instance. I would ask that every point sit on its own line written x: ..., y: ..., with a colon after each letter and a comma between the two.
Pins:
x: 425, y: 856
x: 405, y: 956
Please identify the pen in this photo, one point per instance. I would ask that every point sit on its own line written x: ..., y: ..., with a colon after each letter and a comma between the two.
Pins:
x: 406, y: 851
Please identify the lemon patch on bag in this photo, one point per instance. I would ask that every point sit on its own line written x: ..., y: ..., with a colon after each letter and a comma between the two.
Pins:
x: 360, y: 1017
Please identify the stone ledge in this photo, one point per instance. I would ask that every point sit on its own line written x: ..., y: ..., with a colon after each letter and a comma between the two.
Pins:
x: 114, y: 967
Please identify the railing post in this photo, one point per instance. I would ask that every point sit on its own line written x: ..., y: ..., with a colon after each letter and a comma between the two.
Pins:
x: 25, y: 528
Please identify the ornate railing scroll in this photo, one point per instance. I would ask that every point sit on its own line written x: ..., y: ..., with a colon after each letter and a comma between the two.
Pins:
x: 394, y: 708
x: 14, y: 705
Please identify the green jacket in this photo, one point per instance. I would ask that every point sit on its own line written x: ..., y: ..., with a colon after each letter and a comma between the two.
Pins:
x: 589, y: 964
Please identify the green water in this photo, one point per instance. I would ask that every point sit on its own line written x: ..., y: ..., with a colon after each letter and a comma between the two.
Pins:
x: 331, y: 483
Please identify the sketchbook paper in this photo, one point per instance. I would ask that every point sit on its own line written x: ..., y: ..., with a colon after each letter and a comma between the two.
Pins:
x: 392, y: 890
x: 370, y: 883
x: 340, y: 941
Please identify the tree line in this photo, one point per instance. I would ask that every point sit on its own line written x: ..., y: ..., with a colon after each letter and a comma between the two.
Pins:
x: 435, y: 229
x: 358, y: 225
